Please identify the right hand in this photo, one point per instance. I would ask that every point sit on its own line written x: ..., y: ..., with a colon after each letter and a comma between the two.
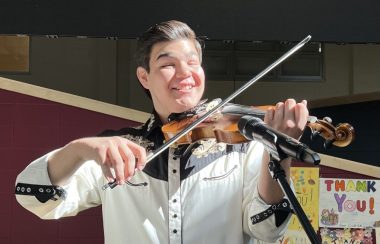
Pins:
x: 117, y: 153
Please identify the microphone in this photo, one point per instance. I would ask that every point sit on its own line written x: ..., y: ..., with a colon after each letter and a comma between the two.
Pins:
x: 254, y: 128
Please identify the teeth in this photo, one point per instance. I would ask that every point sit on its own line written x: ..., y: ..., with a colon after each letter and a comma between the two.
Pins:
x: 184, y: 88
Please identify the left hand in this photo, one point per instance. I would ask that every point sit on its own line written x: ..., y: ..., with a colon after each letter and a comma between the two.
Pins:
x: 288, y: 117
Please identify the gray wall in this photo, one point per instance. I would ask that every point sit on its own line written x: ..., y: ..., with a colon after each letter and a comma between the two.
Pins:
x: 103, y: 69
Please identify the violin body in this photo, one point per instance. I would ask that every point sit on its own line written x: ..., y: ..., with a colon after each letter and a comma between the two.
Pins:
x: 222, y: 125
x: 223, y: 130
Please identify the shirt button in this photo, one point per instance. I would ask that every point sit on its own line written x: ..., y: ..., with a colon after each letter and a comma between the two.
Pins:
x: 174, y: 158
x: 175, y: 216
x: 174, y: 171
x: 174, y: 231
x: 174, y: 200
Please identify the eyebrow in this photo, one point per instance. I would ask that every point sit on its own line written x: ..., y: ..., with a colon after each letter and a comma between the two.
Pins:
x: 168, y: 54
x: 162, y: 55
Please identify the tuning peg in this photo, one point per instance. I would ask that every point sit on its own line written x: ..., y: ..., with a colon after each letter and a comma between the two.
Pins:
x: 328, y: 120
x: 328, y: 143
x: 314, y: 134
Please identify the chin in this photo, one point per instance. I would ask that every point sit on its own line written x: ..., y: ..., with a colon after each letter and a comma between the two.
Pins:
x: 180, y: 108
x: 187, y: 104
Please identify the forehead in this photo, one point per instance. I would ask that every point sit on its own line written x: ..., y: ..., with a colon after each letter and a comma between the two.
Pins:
x: 176, y: 49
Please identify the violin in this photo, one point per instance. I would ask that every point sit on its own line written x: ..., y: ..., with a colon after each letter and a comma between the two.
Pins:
x: 194, y: 128
x: 223, y: 126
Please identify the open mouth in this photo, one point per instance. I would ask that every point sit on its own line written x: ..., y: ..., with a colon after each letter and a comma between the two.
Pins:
x: 183, y: 88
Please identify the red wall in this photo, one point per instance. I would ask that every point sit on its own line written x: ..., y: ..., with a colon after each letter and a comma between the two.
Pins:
x: 30, y: 127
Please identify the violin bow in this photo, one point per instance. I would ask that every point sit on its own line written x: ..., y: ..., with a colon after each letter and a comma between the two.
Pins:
x: 202, y: 118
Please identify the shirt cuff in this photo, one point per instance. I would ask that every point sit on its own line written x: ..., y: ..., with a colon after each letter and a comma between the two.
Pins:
x: 34, y: 180
x: 281, y: 212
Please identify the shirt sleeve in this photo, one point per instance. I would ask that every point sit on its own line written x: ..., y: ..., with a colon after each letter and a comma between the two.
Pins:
x: 260, y: 220
x: 35, y: 192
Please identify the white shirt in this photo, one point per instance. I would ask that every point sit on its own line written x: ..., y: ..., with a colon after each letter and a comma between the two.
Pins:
x: 213, y: 202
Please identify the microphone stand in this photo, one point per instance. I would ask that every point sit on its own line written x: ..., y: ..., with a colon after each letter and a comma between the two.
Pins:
x: 279, y: 175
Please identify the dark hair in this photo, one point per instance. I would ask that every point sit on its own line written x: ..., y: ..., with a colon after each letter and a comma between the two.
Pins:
x: 164, y: 31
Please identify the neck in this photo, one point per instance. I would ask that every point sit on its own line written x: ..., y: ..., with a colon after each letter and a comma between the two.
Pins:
x: 164, y: 119
x: 162, y: 116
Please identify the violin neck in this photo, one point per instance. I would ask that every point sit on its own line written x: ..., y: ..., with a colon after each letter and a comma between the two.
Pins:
x: 241, y: 110
x: 258, y: 112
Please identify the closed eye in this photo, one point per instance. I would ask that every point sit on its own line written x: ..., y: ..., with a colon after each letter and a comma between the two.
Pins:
x: 167, y: 65
x: 193, y: 62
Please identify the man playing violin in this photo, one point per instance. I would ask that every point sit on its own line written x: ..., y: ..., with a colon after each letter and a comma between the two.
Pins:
x: 208, y: 192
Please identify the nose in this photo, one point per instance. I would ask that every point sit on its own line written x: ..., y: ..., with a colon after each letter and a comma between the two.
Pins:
x: 183, y: 70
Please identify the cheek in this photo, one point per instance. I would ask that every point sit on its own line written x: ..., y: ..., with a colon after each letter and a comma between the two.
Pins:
x: 199, y: 76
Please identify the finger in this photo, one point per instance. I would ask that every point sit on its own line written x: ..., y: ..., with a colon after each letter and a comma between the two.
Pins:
x: 117, y: 164
x: 105, y: 163
x: 140, y: 154
x: 289, y: 115
x: 301, y: 115
x: 129, y: 161
x: 107, y: 173
x: 279, y: 113
x: 269, y: 114
x: 304, y: 102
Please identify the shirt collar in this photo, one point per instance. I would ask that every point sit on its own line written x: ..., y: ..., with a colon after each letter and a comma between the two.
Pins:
x: 152, y: 124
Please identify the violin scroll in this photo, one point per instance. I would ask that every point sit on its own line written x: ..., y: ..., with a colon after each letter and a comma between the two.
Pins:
x: 342, y: 135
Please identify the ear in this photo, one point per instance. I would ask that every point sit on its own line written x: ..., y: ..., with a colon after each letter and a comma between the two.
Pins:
x: 142, y: 75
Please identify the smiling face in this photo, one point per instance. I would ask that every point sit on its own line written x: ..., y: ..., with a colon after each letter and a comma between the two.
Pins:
x: 175, y: 79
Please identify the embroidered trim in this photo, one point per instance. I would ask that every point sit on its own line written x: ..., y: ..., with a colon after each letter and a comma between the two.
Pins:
x: 43, y: 193
x: 137, y: 184
x: 151, y: 122
x: 148, y: 145
x: 207, y: 147
x: 283, y: 206
x: 219, y: 177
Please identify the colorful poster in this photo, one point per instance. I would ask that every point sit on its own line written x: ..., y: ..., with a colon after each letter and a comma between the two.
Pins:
x: 295, y: 237
x: 356, y: 236
x: 305, y: 180
x: 290, y: 237
x: 348, y: 203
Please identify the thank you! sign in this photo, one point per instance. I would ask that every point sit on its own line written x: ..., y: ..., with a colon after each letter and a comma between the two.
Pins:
x: 348, y: 202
